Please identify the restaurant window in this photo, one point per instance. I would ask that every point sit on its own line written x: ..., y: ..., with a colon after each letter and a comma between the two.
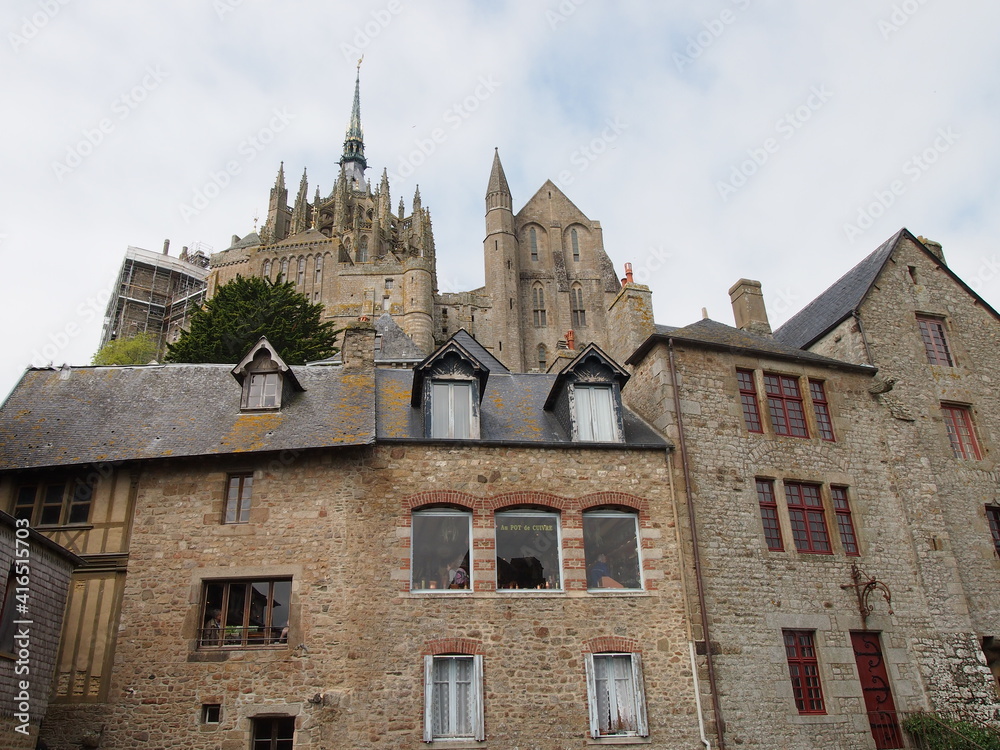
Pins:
x: 441, y: 550
x: 244, y: 613
x: 611, y: 550
x: 528, y: 550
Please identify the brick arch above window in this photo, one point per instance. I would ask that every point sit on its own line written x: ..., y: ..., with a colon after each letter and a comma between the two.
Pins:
x: 614, y: 500
x: 616, y: 643
x: 528, y: 498
x: 469, y: 646
x: 438, y: 498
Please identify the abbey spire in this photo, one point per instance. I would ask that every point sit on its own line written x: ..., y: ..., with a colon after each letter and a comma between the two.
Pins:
x: 497, y: 192
x: 352, y: 163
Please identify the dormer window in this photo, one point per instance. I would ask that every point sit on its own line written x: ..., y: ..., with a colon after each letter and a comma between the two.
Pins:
x: 448, y: 386
x: 595, y: 413
x: 265, y: 378
x: 452, y: 409
x: 586, y: 397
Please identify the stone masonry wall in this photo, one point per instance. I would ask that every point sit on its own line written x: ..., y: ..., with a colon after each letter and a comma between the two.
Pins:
x: 351, y: 672
x: 753, y: 593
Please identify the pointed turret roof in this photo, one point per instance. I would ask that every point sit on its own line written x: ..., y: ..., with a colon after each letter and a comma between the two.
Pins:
x: 498, y: 180
x: 354, y: 141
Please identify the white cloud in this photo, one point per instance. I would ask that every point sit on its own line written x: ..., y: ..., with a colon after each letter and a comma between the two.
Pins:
x: 654, y: 187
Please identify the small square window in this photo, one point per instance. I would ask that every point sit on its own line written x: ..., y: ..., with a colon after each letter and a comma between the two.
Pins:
x: 615, y: 695
x: 528, y: 550
x: 595, y: 413
x: 803, y: 668
x: 452, y: 411
x: 611, y: 550
x: 273, y: 732
x: 453, y: 698
x: 388, y: 284
x: 211, y: 713
x: 245, y: 613
x: 239, y: 488
x: 441, y: 550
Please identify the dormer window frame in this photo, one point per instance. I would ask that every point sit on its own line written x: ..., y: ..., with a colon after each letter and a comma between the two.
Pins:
x: 266, y: 381
x: 592, y: 371
x: 451, y: 372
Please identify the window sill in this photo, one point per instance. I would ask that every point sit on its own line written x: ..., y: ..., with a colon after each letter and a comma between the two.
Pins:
x: 527, y: 593
x: 455, y: 744
x: 628, y: 739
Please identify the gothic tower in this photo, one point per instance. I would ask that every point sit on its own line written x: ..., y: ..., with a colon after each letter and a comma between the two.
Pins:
x: 503, y: 269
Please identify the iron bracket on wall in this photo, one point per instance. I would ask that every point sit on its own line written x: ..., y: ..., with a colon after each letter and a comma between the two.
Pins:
x: 864, y: 586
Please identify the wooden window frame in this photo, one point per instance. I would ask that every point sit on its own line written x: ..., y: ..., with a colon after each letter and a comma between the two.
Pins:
x: 808, y: 519
x: 821, y: 408
x: 600, y: 728
x: 276, y: 727
x: 993, y: 519
x: 426, y: 584
x: 246, y: 634
x: 845, y: 520
x: 785, y: 405
x: 768, y: 502
x: 803, y: 670
x: 961, y: 432
x: 748, y: 399
x: 477, y: 724
x: 237, y: 508
x: 74, y: 505
x: 935, y: 338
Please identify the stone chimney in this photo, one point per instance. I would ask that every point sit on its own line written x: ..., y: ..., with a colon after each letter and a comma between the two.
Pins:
x: 748, y: 307
x: 934, y: 247
x: 358, y: 350
x: 630, y: 317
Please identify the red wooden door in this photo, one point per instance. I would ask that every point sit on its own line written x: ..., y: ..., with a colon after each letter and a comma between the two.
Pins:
x: 877, y: 691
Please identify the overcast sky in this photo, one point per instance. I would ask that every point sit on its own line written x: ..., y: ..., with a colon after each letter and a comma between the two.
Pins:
x: 713, y: 140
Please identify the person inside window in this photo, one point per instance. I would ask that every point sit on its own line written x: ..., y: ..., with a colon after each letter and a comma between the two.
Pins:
x: 211, y: 634
x: 599, y: 576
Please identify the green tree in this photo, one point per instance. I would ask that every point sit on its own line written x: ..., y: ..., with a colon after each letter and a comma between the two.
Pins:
x: 137, y: 350
x: 224, y: 329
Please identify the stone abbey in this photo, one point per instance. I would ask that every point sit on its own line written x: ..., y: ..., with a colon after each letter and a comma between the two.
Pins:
x: 522, y: 516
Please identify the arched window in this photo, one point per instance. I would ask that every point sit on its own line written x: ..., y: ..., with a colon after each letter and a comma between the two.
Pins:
x: 319, y: 269
x: 533, y: 235
x: 542, y: 358
x: 538, y: 305
x: 284, y: 270
x: 576, y: 305
x: 267, y: 269
x: 576, y: 245
x: 363, y: 250
x: 301, y: 276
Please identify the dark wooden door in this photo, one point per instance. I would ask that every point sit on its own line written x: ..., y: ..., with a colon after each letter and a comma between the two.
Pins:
x: 877, y: 691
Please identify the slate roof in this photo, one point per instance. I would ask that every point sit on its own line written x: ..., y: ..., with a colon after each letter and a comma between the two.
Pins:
x: 840, y: 300
x: 396, y: 345
x: 101, y: 414
x: 477, y: 350
x: 511, y: 412
x: 717, y: 335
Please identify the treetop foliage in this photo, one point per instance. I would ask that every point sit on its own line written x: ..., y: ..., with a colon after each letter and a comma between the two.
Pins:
x: 135, y: 350
x: 223, y: 330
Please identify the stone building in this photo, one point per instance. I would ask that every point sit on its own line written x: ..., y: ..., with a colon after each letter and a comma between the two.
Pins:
x: 36, y: 579
x: 154, y: 294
